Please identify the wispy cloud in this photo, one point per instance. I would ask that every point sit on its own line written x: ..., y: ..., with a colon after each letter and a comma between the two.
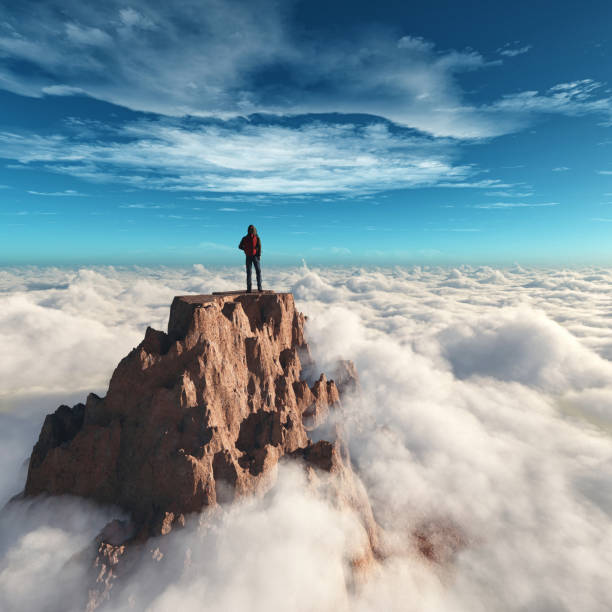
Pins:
x: 82, y: 35
x: 403, y: 78
x: 453, y: 229
x: 213, y: 197
x: 243, y: 157
x: 507, y: 205
x: 132, y: 19
x: 476, y: 184
x: 140, y: 57
x: 174, y: 216
x: 146, y: 206
x: 561, y: 169
x: 510, y: 194
x: 575, y: 98
x: 216, y: 246
x: 512, y: 50
x: 63, y: 90
x: 25, y: 213
x: 604, y: 172
x: 65, y: 193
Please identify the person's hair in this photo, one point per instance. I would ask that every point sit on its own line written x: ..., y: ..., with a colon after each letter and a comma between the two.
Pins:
x: 251, y: 227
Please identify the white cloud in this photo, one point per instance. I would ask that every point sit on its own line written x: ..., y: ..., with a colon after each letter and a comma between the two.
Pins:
x: 87, y: 36
x: 40, y: 540
x: 577, y: 98
x: 133, y: 19
x: 509, y: 194
x: 486, y: 404
x: 63, y: 90
x: 65, y: 193
x: 145, y: 57
x: 23, y: 213
x: 246, y: 157
x: 145, y: 206
x: 430, y: 421
x: 519, y: 345
x: 506, y: 205
x: 510, y: 50
x: 561, y: 169
x: 457, y: 229
x: 477, y: 184
x: 216, y: 246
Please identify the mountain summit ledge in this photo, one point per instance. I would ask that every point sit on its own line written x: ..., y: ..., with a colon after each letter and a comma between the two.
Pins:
x: 194, y: 419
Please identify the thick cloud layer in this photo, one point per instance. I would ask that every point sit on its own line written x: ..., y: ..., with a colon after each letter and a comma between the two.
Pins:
x: 486, y: 405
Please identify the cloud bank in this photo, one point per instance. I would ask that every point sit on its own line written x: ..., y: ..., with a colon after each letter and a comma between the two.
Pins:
x: 486, y: 404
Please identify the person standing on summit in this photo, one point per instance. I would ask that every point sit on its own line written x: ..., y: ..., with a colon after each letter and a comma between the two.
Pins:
x: 251, y: 245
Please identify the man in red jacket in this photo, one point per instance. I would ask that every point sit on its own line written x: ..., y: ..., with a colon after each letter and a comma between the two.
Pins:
x: 251, y: 245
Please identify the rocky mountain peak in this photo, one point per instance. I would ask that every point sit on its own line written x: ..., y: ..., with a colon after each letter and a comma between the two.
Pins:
x: 195, y: 416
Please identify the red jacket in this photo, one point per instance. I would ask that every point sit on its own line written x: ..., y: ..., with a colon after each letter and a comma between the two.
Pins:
x: 251, y: 245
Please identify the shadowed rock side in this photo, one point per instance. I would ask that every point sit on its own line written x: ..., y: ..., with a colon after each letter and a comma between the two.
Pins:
x: 197, y: 416
x: 218, y: 399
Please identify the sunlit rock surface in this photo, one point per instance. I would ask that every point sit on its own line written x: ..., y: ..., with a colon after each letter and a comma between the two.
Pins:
x: 197, y: 417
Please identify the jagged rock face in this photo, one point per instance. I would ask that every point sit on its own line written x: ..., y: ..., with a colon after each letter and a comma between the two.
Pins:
x: 192, y: 417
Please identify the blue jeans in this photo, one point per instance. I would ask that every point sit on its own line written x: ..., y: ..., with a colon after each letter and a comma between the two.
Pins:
x: 253, y: 260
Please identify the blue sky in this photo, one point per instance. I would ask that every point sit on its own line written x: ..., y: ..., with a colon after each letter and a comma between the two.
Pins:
x: 144, y: 132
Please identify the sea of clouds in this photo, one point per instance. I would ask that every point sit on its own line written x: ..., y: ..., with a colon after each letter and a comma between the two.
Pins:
x: 486, y: 404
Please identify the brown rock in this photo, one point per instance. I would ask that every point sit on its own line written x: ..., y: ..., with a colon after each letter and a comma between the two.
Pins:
x: 439, y: 540
x: 345, y: 377
x: 193, y: 417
